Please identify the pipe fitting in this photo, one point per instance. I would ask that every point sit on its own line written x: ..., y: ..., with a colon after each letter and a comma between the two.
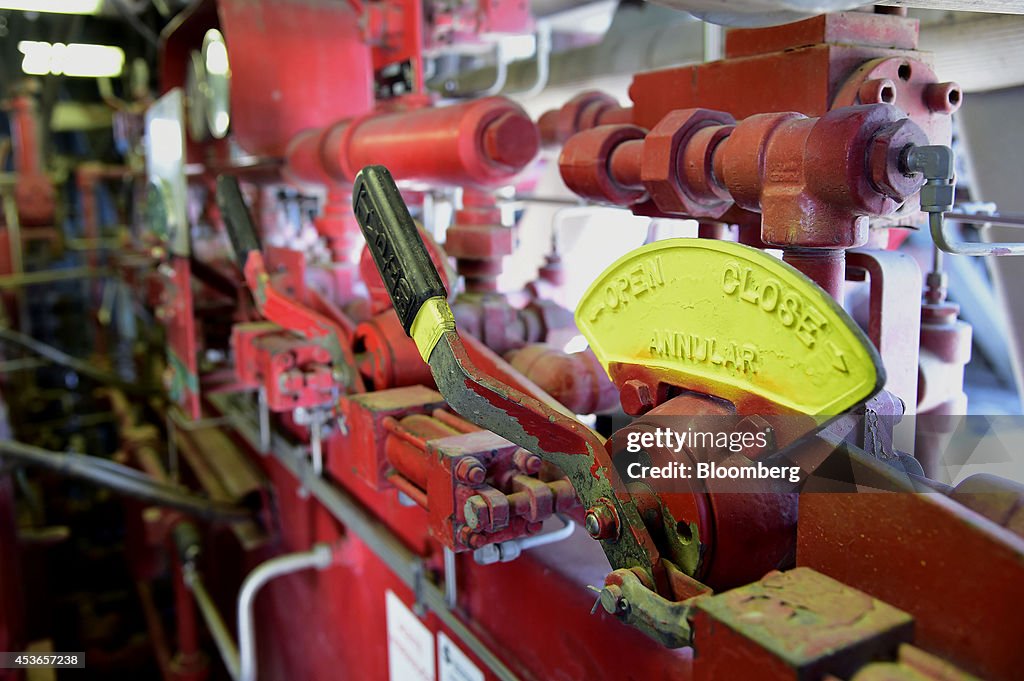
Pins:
x: 677, y: 167
x: 587, y: 169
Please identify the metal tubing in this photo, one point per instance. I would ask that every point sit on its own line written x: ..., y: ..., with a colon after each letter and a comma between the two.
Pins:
x: 319, y: 557
x: 451, y: 579
x: 555, y: 536
x: 977, y: 249
x: 218, y: 630
x: 543, y: 51
x: 56, y: 356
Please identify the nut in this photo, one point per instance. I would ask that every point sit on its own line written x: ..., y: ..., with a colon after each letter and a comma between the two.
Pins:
x: 884, y: 159
x: 584, y: 164
x: 470, y: 471
x: 664, y: 151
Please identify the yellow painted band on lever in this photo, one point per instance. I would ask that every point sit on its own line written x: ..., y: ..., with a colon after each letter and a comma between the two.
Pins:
x: 432, y: 320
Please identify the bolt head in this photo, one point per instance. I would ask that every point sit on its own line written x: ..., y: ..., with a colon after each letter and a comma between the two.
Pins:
x: 511, y: 140
x: 636, y: 397
x: 470, y: 471
x: 592, y: 524
x: 602, y: 521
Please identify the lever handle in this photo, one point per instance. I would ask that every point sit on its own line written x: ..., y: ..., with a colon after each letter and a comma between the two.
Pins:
x: 241, y: 230
x: 395, y: 244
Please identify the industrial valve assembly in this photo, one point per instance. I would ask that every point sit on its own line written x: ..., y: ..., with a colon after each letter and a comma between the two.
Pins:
x: 348, y: 340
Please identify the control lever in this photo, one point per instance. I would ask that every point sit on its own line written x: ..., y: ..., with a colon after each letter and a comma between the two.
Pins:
x: 420, y: 300
x: 241, y: 230
x: 274, y: 304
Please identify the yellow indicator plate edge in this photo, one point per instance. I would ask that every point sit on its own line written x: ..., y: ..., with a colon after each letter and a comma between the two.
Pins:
x: 729, y: 320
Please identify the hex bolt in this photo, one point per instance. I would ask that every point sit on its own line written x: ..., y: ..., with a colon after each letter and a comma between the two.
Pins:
x: 527, y: 462
x: 511, y: 139
x: 602, y: 521
x: 886, y: 168
x: 470, y: 538
x: 636, y: 398
x: 477, y: 513
x: 470, y: 471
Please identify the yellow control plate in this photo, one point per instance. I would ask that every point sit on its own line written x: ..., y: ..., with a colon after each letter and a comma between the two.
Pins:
x: 728, y: 320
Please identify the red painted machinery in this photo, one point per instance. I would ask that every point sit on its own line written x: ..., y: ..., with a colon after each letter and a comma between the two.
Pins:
x: 408, y: 435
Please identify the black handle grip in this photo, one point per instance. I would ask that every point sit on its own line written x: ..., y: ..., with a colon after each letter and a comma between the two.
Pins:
x: 241, y: 229
x: 395, y: 243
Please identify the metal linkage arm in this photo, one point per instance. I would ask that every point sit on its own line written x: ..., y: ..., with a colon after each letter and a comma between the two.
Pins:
x: 420, y: 300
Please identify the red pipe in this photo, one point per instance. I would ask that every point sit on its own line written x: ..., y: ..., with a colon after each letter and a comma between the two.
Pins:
x: 475, y: 143
x: 25, y: 140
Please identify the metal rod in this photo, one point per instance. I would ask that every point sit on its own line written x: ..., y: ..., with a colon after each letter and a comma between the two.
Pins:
x: 83, y: 367
x: 319, y: 557
x: 1003, y: 220
x: 451, y: 579
x: 22, y: 364
x: 123, y: 479
x: 48, y: 276
x: 972, y: 248
x: 543, y: 50
x: 554, y: 200
x: 214, y: 622
x: 95, y: 244
x: 15, y: 246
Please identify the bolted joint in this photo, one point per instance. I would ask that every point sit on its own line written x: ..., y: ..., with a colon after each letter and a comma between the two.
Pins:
x: 602, y: 521
x: 477, y: 513
x: 636, y: 397
x: 527, y: 462
x: 470, y: 471
x: 586, y: 164
x: 885, y: 153
x: 678, y: 162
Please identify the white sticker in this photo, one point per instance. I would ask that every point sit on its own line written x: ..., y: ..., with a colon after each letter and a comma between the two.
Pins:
x: 453, y: 663
x: 410, y: 643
